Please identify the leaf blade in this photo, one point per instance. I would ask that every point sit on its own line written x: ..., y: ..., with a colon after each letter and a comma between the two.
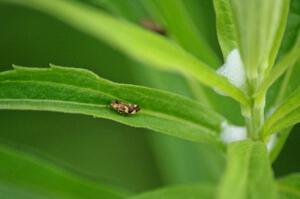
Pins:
x: 225, y: 26
x: 291, y: 104
x: 289, y: 120
x: 80, y: 91
x: 290, y: 81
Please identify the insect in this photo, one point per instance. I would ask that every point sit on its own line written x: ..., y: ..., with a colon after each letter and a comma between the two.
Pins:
x: 150, y: 25
x: 124, y: 108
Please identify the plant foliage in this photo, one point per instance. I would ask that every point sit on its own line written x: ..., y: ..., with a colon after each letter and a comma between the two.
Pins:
x: 265, y: 34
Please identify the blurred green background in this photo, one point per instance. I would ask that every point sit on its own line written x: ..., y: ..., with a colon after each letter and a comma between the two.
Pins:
x: 104, y: 151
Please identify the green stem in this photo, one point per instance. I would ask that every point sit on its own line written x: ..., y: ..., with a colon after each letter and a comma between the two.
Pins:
x: 258, y: 115
x: 254, y: 121
x: 254, y: 114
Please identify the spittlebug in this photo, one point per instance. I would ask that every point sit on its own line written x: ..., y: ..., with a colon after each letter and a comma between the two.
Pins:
x: 124, y: 108
x: 154, y: 27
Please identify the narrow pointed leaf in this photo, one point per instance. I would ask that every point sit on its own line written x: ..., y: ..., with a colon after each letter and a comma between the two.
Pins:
x: 225, y: 26
x: 248, y: 173
x: 288, y: 84
x: 23, y: 176
x: 290, y: 80
x: 291, y: 39
x: 281, y: 114
x: 140, y: 44
x: 73, y: 90
x: 289, y: 120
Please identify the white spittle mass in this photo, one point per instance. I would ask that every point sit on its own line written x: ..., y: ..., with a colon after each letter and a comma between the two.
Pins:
x: 233, y: 69
x: 232, y: 133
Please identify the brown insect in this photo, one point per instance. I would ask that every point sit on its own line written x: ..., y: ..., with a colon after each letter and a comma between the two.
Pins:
x: 151, y: 25
x: 124, y: 108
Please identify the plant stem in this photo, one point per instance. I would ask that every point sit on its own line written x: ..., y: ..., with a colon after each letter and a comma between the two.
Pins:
x: 254, y: 114
x: 258, y: 115
x: 254, y: 121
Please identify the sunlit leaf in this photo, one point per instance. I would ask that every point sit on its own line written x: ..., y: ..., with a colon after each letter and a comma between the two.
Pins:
x: 225, y: 26
x: 289, y: 120
x: 80, y: 91
x: 286, y: 112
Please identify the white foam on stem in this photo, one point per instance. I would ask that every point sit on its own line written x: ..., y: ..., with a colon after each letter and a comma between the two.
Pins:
x: 232, y: 133
x: 233, y: 69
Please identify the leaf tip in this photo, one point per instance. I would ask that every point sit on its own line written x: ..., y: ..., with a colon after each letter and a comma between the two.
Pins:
x: 21, y: 68
x: 54, y: 66
x: 17, y: 67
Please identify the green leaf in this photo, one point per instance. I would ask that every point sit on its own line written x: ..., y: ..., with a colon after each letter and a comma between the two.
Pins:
x: 289, y: 83
x: 225, y: 26
x: 291, y: 80
x: 248, y: 173
x: 281, y: 67
x: 288, y: 121
x: 179, y: 192
x: 260, y: 27
x: 292, y: 28
x: 142, y: 45
x: 284, y: 86
x: 23, y: 176
x: 289, y: 186
x: 73, y: 90
x: 286, y: 112
x: 182, y: 29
